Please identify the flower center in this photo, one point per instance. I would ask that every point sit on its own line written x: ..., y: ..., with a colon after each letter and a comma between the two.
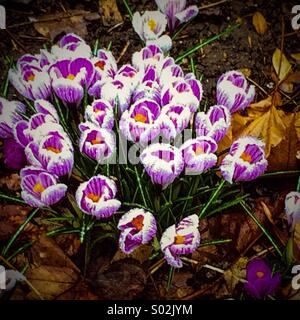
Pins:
x: 260, y: 274
x: 38, y: 187
x: 100, y: 65
x: 53, y: 149
x: 138, y: 222
x: 140, y: 118
x: 199, y: 150
x: 94, y: 197
x: 31, y: 77
x: 71, y: 76
x: 98, y: 140
x: 179, y: 239
x: 246, y: 157
x: 152, y: 24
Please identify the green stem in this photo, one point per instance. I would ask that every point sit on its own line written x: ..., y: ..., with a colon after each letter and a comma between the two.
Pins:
x: 128, y: 9
x: 298, y: 185
x: 140, y: 187
x: 263, y: 229
x: 212, y: 199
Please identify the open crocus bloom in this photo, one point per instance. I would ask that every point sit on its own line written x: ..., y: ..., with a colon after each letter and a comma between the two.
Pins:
x: 70, y: 78
x: 105, y: 65
x: 214, y: 123
x: 9, y: 116
x: 40, y: 188
x: 98, y: 144
x: 30, y: 79
x: 176, y: 12
x: 162, y: 162
x: 137, y: 227
x: 246, y: 160
x: 71, y: 46
x: 234, y: 92
x: 198, y: 154
x: 173, y: 120
x: 138, y: 124
x: 149, y: 90
x: 54, y: 153
x: 150, y: 55
x: 292, y: 208
x: 100, y: 113
x: 97, y: 197
x: 181, y: 239
x: 261, y: 282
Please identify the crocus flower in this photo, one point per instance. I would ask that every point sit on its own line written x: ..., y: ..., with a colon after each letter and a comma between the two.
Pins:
x: 173, y: 120
x: 54, y: 153
x: 70, y: 78
x: 9, y: 115
x: 46, y: 108
x: 14, y: 156
x: 40, y: 188
x: 97, y: 197
x: 261, y: 282
x: 150, y: 55
x: 71, y: 46
x: 162, y: 162
x: 176, y: 12
x: 198, y: 154
x: 234, y: 92
x: 29, y: 80
x: 98, y: 144
x: 138, y: 124
x: 137, y: 227
x: 292, y: 208
x: 181, y: 239
x: 147, y: 90
x: 150, y: 26
x: 214, y: 123
x: 245, y: 161
x: 100, y: 113
x: 105, y: 65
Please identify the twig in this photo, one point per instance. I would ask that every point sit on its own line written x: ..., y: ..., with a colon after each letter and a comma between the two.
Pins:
x: 16, y: 40
x: 123, y: 51
x: 257, y: 85
x: 212, y: 4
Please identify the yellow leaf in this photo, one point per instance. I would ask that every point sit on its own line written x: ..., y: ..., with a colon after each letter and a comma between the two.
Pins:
x: 281, y: 64
x: 297, y: 124
x: 260, y: 23
x: 296, y: 56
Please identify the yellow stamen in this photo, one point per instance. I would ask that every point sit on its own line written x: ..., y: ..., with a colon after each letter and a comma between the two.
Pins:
x: 179, y: 239
x: 31, y: 77
x: 94, y: 197
x: 53, y: 149
x: 38, y: 187
x: 260, y: 274
x: 97, y: 140
x: 199, y: 150
x: 100, y: 65
x: 138, y: 222
x: 152, y: 24
x: 140, y: 118
x: 246, y: 157
x: 71, y: 76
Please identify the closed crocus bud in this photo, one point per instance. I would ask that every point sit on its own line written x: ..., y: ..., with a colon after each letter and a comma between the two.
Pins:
x: 40, y: 188
x: 100, y: 113
x: 292, y: 208
x: 163, y: 163
x: 180, y: 239
x: 137, y: 227
x: 14, y: 156
x: 260, y: 280
x: 245, y: 161
x: 96, y: 197
x: 234, y: 92
x: 214, y: 123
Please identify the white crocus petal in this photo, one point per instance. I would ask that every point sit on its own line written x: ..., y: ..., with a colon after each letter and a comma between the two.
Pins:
x: 137, y: 23
x: 45, y: 107
x: 154, y: 24
x: 162, y: 5
x: 164, y: 42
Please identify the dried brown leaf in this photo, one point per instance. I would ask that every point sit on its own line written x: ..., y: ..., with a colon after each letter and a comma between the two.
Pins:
x: 281, y: 64
x: 260, y: 23
x: 109, y: 12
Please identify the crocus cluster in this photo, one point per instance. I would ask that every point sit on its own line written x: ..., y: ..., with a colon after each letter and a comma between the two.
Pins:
x: 150, y: 100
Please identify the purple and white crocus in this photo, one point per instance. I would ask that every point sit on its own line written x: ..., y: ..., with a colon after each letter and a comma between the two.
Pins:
x: 215, y: 123
x: 100, y: 113
x: 234, y: 92
x: 10, y: 114
x: 245, y: 161
x: 292, y: 208
x: 97, y: 197
x: 162, y: 162
x: 97, y: 143
x: 40, y: 188
x: 176, y: 12
x: 198, y: 154
x: 181, y: 239
x: 70, y: 78
x: 137, y: 227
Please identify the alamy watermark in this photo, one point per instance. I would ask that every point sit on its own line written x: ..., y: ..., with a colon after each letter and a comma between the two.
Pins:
x: 296, y: 18
x: 8, y: 278
x: 2, y: 18
x: 296, y: 278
